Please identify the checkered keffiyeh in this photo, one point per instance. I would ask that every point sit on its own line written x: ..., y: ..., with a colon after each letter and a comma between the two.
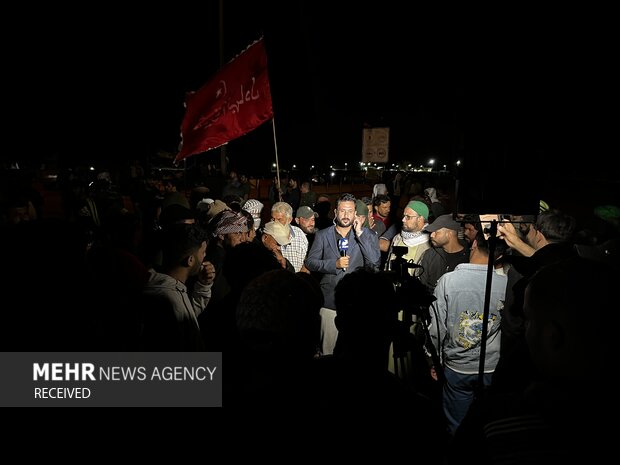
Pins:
x: 253, y: 206
x: 231, y: 222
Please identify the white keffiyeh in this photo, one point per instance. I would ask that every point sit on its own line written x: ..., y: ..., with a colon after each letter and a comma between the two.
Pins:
x: 411, y: 239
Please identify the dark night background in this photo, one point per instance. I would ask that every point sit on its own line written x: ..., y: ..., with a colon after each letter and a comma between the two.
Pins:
x: 515, y: 94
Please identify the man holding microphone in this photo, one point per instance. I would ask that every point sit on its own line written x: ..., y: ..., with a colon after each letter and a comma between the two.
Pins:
x: 338, y: 250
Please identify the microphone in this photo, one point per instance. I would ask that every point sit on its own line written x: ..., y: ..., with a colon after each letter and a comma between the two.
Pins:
x: 343, y: 246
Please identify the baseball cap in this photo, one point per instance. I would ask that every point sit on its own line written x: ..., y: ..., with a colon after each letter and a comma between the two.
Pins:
x: 443, y: 221
x: 306, y: 212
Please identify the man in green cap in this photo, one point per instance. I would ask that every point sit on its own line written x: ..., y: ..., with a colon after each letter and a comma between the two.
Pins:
x: 412, y: 235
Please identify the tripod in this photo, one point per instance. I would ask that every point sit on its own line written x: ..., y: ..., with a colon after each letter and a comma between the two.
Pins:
x: 410, y: 359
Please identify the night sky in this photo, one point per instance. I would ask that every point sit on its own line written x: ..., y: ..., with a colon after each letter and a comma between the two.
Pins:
x: 525, y: 89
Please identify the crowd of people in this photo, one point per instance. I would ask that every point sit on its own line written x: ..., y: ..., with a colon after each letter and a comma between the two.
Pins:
x: 309, y: 298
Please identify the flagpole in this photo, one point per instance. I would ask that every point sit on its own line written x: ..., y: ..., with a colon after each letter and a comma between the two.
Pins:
x: 185, y: 176
x: 223, y: 166
x: 275, y: 146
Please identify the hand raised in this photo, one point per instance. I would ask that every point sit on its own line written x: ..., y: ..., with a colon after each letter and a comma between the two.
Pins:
x: 207, y: 273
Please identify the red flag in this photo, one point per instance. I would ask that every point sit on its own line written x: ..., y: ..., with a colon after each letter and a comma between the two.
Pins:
x: 236, y: 101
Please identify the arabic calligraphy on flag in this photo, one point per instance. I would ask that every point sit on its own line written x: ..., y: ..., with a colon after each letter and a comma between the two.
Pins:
x: 234, y: 102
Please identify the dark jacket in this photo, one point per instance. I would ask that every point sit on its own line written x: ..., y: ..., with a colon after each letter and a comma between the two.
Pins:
x: 435, y: 265
x: 363, y: 252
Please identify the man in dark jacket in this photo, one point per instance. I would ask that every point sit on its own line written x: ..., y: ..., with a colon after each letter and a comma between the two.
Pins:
x: 446, y: 252
x: 329, y: 257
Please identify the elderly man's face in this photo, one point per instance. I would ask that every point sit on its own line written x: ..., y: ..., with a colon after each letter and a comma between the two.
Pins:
x: 280, y: 218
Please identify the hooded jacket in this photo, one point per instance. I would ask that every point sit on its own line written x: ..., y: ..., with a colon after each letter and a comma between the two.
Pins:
x: 170, y: 314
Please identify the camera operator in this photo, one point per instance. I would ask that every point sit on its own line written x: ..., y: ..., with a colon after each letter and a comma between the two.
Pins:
x: 547, y: 241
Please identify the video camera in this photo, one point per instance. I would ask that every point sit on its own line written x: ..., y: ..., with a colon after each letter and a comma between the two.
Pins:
x: 399, y: 264
x: 413, y: 296
x: 414, y: 300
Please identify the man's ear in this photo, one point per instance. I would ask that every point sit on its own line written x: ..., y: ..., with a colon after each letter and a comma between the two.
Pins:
x: 189, y: 261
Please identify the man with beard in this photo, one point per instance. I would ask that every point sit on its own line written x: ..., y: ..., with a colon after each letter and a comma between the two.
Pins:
x: 336, y: 251
x: 306, y: 220
x: 169, y: 308
x: 447, y: 251
x: 412, y: 235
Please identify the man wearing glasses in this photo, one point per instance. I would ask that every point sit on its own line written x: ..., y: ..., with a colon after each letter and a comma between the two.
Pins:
x: 412, y: 235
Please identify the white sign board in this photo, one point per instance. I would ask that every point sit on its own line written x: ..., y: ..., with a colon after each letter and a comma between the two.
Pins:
x: 375, y: 145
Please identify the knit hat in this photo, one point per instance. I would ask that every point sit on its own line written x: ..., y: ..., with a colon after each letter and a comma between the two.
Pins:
x: 419, y: 207
x: 231, y: 222
x: 362, y: 210
x: 278, y: 231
